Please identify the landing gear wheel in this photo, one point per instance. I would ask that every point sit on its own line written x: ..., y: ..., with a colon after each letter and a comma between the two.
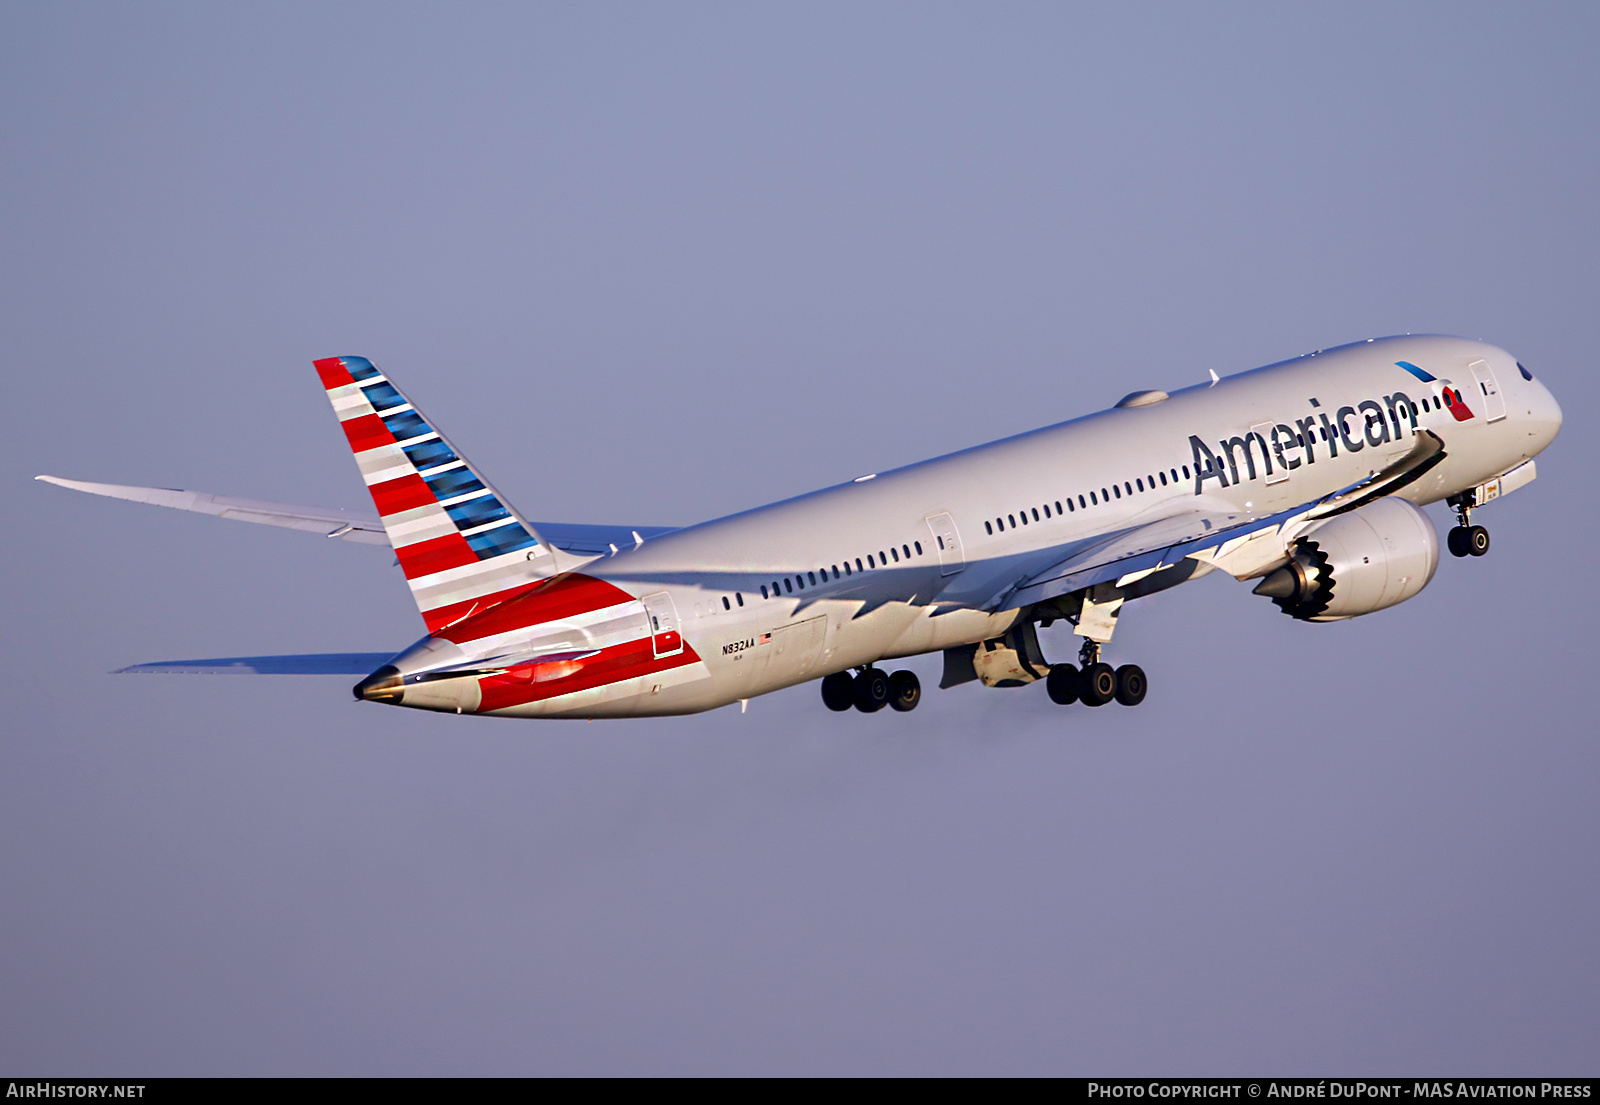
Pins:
x: 1458, y: 541
x: 1131, y: 684
x: 905, y: 691
x: 1099, y: 685
x: 1062, y: 684
x: 871, y: 691
x: 838, y: 691
x: 1477, y: 540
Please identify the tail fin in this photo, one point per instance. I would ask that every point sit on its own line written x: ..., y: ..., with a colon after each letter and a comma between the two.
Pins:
x: 461, y: 546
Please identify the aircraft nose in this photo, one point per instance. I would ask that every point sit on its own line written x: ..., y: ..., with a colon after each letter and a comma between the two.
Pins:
x: 1545, y: 417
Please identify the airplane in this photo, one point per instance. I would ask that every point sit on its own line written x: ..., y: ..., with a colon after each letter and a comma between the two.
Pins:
x: 1307, y: 476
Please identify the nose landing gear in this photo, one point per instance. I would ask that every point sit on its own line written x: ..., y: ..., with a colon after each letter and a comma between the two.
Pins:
x: 1465, y: 539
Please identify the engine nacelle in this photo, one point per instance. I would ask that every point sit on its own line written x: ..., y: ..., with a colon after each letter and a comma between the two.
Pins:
x: 1356, y: 563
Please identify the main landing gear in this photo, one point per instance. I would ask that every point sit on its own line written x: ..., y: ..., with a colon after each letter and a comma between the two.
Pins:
x: 870, y: 690
x: 1097, y: 683
x: 1465, y: 539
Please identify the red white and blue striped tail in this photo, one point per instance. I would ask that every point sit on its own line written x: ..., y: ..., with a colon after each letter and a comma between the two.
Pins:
x: 461, y: 546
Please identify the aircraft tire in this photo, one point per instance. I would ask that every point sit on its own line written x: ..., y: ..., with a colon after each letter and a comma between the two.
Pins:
x: 1099, y: 685
x: 838, y: 691
x: 1062, y: 684
x: 1457, y: 541
x: 1131, y: 684
x: 905, y: 691
x: 1477, y: 540
x: 871, y: 691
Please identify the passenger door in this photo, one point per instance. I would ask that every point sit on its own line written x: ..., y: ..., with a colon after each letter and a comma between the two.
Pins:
x: 1279, y: 471
x: 665, y: 638
x: 1494, y: 404
x: 947, y: 543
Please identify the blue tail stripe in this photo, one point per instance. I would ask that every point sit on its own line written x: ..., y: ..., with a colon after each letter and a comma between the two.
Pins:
x: 407, y: 424
x: 360, y: 368
x: 496, y: 542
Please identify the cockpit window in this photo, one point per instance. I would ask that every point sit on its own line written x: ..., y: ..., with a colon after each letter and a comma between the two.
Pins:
x: 1526, y: 375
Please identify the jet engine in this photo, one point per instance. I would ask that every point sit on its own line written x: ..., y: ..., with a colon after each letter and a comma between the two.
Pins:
x: 1356, y: 563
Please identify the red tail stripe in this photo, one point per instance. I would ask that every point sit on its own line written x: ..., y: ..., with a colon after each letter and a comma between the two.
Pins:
x: 441, y: 616
x: 406, y: 493
x: 561, y: 597
x: 435, y: 555
x: 333, y: 373
x: 612, y: 665
x: 366, y: 432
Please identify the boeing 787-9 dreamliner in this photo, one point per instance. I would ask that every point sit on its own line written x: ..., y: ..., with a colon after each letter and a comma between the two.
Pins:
x: 1307, y: 476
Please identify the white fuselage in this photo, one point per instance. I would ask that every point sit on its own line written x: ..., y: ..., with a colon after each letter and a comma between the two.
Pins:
x: 773, y: 596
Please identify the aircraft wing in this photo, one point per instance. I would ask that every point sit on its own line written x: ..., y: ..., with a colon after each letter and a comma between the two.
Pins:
x: 1145, y: 549
x: 347, y: 525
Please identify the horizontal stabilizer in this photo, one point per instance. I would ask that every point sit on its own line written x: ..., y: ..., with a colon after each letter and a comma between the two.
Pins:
x: 363, y: 527
x: 315, y: 663
x: 347, y: 525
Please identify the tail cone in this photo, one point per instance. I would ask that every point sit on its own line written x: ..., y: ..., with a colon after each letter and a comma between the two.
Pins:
x: 383, y: 685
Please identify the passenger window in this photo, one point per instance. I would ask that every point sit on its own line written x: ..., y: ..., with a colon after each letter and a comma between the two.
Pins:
x: 858, y: 564
x: 1035, y: 514
x: 786, y: 586
x: 1047, y: 510
x: 918, y: 544
x: 1069, y: 504
x: 1013, y: 518
x: 1082, y: 503
x: 1116, y: 490
x: 870, y: 562
x: 1024, y: 517
x: 739, y: 598
x: 835, y: 571
x: 987, y: 528
x: 881, y: 558
x: 764, y: 591
x: 1140, y: 483
x: 726, y: 605
x: 894, y: 552
x: 1185, y: 471
x: 1129, y: 487
x: 1093, y: 501
x: 813, y: 576
x: 1058, y: 507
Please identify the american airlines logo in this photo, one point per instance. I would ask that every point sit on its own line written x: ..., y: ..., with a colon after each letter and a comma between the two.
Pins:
x: 1284, y: 447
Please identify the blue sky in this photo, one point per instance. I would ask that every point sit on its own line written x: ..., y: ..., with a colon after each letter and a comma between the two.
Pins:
x: 656, y: 263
